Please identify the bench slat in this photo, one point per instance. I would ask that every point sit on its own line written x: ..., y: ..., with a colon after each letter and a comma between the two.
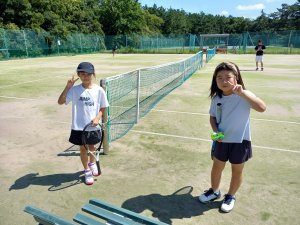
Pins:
x: 44, y: 217
x: 85, y: 220
x: 125, y: 212
x: 107, y: 215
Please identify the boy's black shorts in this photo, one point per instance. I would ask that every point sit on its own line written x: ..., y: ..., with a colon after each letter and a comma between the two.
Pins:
x: 76, y: 137
x: 236, y: 153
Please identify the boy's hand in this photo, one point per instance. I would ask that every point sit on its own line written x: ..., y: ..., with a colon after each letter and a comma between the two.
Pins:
x: 71, y: 82
x: 95, y: 122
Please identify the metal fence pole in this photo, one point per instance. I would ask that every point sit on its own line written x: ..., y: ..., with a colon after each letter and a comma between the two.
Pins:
x: 25, y: 42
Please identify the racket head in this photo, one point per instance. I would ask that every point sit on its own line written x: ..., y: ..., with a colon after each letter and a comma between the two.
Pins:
x: 92, y: 135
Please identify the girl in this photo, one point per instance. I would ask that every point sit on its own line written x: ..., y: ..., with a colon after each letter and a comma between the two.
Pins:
x: 228, y: 92
x: 89, y: 102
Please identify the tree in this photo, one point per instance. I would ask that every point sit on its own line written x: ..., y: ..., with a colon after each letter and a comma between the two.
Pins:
x: 176, y: 22
x: 15, y: 12
x: 261, y: 23
x: 287, y: 17
x: 153, y: 23
x: 121, y: 17
x: 59, y: 17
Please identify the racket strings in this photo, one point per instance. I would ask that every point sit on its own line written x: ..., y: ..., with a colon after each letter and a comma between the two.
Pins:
x: 90, y: 133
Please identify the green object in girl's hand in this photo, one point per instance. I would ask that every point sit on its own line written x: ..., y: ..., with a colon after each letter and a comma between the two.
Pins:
x: 216, y: 136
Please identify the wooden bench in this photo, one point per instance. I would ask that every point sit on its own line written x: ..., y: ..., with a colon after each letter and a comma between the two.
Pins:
x: 222, y: 50
x: 96, y: 212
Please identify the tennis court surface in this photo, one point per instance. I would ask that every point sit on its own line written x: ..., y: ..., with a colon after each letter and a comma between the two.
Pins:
x: 148, y: 169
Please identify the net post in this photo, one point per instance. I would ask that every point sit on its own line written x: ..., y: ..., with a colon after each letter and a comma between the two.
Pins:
x: 104, y: 120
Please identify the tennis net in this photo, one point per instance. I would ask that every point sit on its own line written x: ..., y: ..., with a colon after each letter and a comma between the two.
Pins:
x: 133, y: 94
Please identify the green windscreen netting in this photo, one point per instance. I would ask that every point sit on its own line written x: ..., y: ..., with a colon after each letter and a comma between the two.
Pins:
x: 132, y: 95
x: 26, y: 43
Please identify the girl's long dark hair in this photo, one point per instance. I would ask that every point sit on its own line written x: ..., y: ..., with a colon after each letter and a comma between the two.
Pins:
x: 214, y: 90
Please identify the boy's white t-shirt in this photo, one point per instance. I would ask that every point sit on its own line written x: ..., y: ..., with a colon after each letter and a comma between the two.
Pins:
x: 235, y: 117
x: 86, y: 104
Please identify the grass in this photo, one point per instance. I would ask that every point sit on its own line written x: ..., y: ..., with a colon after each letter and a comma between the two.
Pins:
x: 143, y: 170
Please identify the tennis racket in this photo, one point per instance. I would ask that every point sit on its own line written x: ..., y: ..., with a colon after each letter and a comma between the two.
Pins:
x: 93, y: 136
x: 218, y: 121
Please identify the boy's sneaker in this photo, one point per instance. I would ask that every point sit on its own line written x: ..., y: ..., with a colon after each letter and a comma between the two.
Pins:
x: 88, y: 177
x: 262, y: 69
x: 256, y: 68
x: 228, y: 203
x: 94, y: 169
x: 209, y: 195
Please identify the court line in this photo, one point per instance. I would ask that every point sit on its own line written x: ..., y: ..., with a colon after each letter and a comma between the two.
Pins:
x: 161, y: 134
x: 178, y: 112
x: 206, y: 114
x: 208, y: 140
x: 32, y: 119
x: 30, y: 81
x: 11, y: 97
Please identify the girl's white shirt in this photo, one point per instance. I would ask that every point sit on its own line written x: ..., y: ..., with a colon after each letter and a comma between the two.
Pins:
x: 235, y: 117
x: 86, y: 104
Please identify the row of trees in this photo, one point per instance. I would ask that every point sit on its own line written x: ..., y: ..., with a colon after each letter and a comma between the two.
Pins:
x: 114, y: 17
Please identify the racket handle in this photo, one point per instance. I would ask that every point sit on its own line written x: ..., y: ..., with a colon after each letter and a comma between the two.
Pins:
x: 98, y: 167
x: 218, y: 113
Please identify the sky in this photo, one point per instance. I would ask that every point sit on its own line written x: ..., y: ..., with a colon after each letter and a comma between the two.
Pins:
x: 237, y: 8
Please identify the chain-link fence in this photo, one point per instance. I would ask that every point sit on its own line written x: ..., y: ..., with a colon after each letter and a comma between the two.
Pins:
x: 26, y: 43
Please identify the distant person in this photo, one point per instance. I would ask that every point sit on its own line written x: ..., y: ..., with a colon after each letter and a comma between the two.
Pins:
x: 259, y: 48
x: 89, y: 102
x: 228, y: 92
x: 114, y: 48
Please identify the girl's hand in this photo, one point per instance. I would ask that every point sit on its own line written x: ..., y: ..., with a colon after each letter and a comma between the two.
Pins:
x: 255, y: 102
x: 236, y: 88
x: 71, y: 82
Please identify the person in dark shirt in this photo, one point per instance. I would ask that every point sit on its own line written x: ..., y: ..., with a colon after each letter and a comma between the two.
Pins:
x: 114, y: 48
x: 259, y: 48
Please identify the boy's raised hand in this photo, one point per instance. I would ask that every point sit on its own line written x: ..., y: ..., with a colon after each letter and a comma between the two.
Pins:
x: 71, y: 82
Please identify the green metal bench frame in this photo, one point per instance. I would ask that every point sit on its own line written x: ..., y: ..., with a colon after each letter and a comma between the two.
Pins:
x: 96, y: 212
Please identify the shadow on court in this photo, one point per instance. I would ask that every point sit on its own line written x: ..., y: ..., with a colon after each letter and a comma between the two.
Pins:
x: 55, y: 182
x: 178, y: 205
x: 71, y: 151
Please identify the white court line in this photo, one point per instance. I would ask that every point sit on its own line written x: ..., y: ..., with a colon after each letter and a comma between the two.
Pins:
x: 170, y: 111
x: 32, y: 119
x: 206, y: 114
x: 161, y: 134
x: 11, y: 97
x: 31, y: 81
x: 208, y: 140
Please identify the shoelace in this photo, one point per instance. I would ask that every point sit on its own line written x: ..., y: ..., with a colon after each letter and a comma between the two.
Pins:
x: 209, y: 192
x: 228, y: 199
x: 88, y: 173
